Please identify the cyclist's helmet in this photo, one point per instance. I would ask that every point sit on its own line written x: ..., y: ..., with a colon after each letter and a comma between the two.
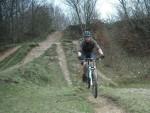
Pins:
x: 87, y: 34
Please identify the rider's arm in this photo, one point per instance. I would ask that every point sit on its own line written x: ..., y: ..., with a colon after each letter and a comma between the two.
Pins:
x: 98, y: 48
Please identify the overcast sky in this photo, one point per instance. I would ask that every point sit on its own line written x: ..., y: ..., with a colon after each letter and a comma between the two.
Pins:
x: 105, y: 7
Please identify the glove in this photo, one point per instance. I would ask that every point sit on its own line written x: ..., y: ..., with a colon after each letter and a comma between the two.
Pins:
x: 102, y: 56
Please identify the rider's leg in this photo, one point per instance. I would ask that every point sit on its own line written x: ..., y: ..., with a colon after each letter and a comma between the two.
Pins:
x: 93, y: 55
x: 83, y: 63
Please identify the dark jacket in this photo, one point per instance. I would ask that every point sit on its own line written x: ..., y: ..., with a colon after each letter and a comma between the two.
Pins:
x: 87, y: 47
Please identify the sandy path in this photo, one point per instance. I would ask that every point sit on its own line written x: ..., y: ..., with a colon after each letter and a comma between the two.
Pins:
x: 8, y: 53
x: 43, y: 46
x: 63, y: 63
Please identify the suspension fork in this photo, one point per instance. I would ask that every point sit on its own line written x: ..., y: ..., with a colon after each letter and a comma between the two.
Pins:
x: 90, y: 75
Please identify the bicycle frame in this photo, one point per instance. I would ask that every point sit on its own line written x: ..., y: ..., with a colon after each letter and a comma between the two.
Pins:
x: 92, y: 75
x: 91, y: 67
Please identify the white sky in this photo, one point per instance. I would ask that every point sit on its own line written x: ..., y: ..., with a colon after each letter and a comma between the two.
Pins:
x: 105, y: 7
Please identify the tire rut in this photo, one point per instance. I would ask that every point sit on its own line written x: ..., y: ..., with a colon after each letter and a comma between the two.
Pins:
x: 63, y: 63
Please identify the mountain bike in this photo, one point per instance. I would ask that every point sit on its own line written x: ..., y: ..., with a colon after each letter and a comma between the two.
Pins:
x: 91, y: 75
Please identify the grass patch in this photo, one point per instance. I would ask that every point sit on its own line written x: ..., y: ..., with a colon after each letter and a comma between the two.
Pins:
x: 134, y: 100
x: 35, y: 99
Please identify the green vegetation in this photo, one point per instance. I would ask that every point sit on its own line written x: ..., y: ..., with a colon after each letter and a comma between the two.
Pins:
x: 131, y: 73
x: 121, y: 66
x: 17, y: 56
x: 39, y: 87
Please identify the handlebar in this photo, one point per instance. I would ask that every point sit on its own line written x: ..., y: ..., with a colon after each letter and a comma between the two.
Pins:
x: 97, y: 58
x: 91, y: 59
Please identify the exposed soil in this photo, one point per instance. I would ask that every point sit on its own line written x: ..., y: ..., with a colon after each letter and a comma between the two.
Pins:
x: 43, y: 46
x: 8, y: 52
x: 103, y: 105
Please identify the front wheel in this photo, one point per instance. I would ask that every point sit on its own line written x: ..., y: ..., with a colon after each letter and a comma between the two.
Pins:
x: 94, y: 87
x: 95, y: 90
x: 88, y: 82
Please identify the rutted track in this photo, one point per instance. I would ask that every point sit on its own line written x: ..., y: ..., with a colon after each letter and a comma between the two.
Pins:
x: 43, y: 46
x: 101, y: 105
x: 38, y: 51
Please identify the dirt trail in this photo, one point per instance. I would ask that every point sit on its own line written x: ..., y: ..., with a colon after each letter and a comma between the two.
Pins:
x: 43, y: 46
x: 8, y: 53
x: 37, y: 51
x: 63, y: 63
x: 101, y: 104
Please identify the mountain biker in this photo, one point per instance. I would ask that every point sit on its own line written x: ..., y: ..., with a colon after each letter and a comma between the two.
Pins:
x: 87, y: 50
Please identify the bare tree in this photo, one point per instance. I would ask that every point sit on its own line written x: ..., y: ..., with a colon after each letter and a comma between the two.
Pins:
x: 137, y: 14
x: 84, y: 9
x: 76, y: 6
x: 89, y: 10
x: 147, y: 6
x: 27, y: 19
x: 124, y: 7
